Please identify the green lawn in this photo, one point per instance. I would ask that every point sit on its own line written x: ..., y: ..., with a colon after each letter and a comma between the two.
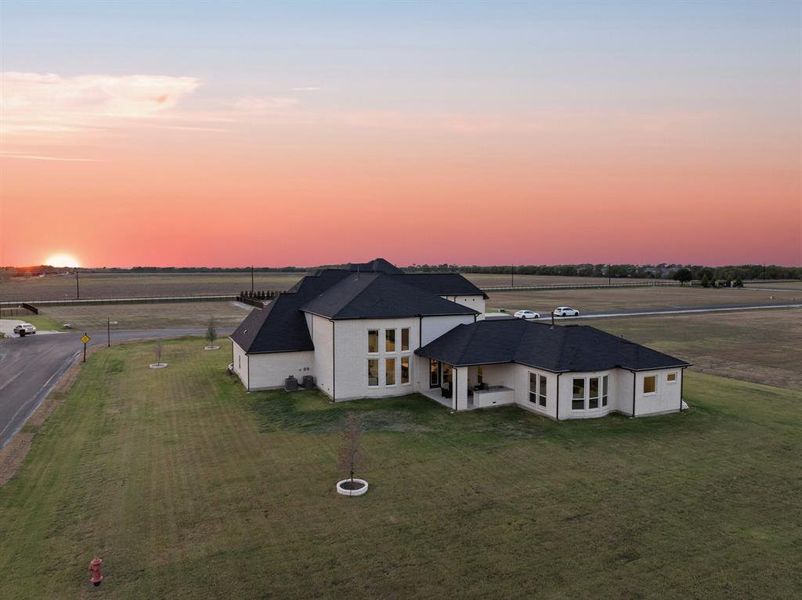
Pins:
x: 190, y: 488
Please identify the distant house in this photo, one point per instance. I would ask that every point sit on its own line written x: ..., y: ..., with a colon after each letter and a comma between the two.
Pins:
x: 370, y: 330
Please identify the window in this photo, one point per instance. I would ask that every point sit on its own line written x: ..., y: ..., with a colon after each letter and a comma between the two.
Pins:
x: 389, y: 371
x: 593, y: 393
x: 533, y: 388
x: 542, y: 390
x: 650, y: 384
x: 389, y: 340
x: 578, y: 397
x: 604, y: 390
x: 373, y: 340
x: 537, y: 389
x: 373, y: 372
x: 434, y: 373
x: 671, y: 377
x: 405, y: 339
x: 405, y: 369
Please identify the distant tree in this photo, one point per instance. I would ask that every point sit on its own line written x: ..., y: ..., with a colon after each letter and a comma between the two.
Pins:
x: 705, y: 281
x: 211, y: 332
x: 739, y: 283
x: 683, y: 275
x: 351, y: 451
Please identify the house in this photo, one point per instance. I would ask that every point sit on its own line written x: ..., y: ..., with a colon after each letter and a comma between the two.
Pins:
x: 369, y: 330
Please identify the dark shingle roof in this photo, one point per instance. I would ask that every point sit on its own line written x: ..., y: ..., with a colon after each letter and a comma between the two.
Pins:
x: 443, y: 284
x: 557, y: 349
x: 281, y: 326
x: 380, y: 296
x: 377, y: 265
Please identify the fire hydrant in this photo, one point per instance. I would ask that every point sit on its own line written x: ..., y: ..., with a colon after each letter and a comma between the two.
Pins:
x: 94, y: 569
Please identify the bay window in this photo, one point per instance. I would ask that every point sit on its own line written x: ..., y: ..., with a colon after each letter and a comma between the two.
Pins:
x: 604, y: 390
x: 389, y: 371
x: 593, y: 393
x: 578, y: 396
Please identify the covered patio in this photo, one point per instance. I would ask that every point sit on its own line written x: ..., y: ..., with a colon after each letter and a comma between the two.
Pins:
x: 469, y: 387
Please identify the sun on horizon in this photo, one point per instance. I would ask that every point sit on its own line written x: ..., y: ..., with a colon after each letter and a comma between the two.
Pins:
x: 62, y: 260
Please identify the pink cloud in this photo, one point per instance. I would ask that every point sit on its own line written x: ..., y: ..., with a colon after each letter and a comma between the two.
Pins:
x: 45, y: 105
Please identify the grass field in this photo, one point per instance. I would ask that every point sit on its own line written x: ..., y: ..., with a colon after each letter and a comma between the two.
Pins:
x: 190, y: 488
x: 780, y: 285
x: 227, y: 315
x: 138, y: 285
x: 759, y: 346
x: 499, y: 279
x: 591, y: 300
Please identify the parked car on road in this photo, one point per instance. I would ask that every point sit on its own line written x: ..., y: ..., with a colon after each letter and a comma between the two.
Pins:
x: 565, y: 311
x: 527, y: 314
x: 24, y: 329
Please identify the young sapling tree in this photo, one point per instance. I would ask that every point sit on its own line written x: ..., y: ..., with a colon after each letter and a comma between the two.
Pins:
x: 211, y: 334
x: 351, y: 450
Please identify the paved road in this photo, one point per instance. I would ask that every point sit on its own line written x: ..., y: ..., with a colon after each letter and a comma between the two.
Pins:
x: 31, y: 366
x: 639, y: 312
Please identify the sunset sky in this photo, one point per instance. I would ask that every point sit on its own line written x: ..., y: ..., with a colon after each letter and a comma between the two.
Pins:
x: 238, y: 133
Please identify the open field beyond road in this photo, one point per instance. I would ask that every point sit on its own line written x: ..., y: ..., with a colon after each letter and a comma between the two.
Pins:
x: 141, y: 285
x: 779, y: 285
x: 592, y: 300
x: 499, y: 279
x: 190, y: 488
x: 760, y: 345
x: 227, y: 315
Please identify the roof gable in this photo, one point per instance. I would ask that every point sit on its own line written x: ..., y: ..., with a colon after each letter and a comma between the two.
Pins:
x: 377, y: 265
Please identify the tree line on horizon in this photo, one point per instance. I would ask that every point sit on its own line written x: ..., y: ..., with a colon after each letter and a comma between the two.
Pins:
x: 680, y: 272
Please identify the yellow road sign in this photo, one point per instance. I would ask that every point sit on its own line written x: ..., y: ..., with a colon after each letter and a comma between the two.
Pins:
x: 85, y: 338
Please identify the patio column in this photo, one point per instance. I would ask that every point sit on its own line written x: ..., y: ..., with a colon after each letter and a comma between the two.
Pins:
x: 460, y: 387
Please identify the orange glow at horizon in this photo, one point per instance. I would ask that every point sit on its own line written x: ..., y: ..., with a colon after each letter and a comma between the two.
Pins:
x: 61, y: 260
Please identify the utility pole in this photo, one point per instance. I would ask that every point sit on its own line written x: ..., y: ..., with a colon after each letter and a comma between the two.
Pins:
x: 251, y: 279
x: 108, y: 332
x: 77, y: 286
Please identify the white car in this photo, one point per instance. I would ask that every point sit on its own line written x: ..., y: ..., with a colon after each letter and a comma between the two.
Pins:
x: 527, y: 314
x: 565, y: 311
x: 24, y: 329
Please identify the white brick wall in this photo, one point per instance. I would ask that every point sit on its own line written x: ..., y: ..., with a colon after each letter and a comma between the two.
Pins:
x: 269, y: 371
